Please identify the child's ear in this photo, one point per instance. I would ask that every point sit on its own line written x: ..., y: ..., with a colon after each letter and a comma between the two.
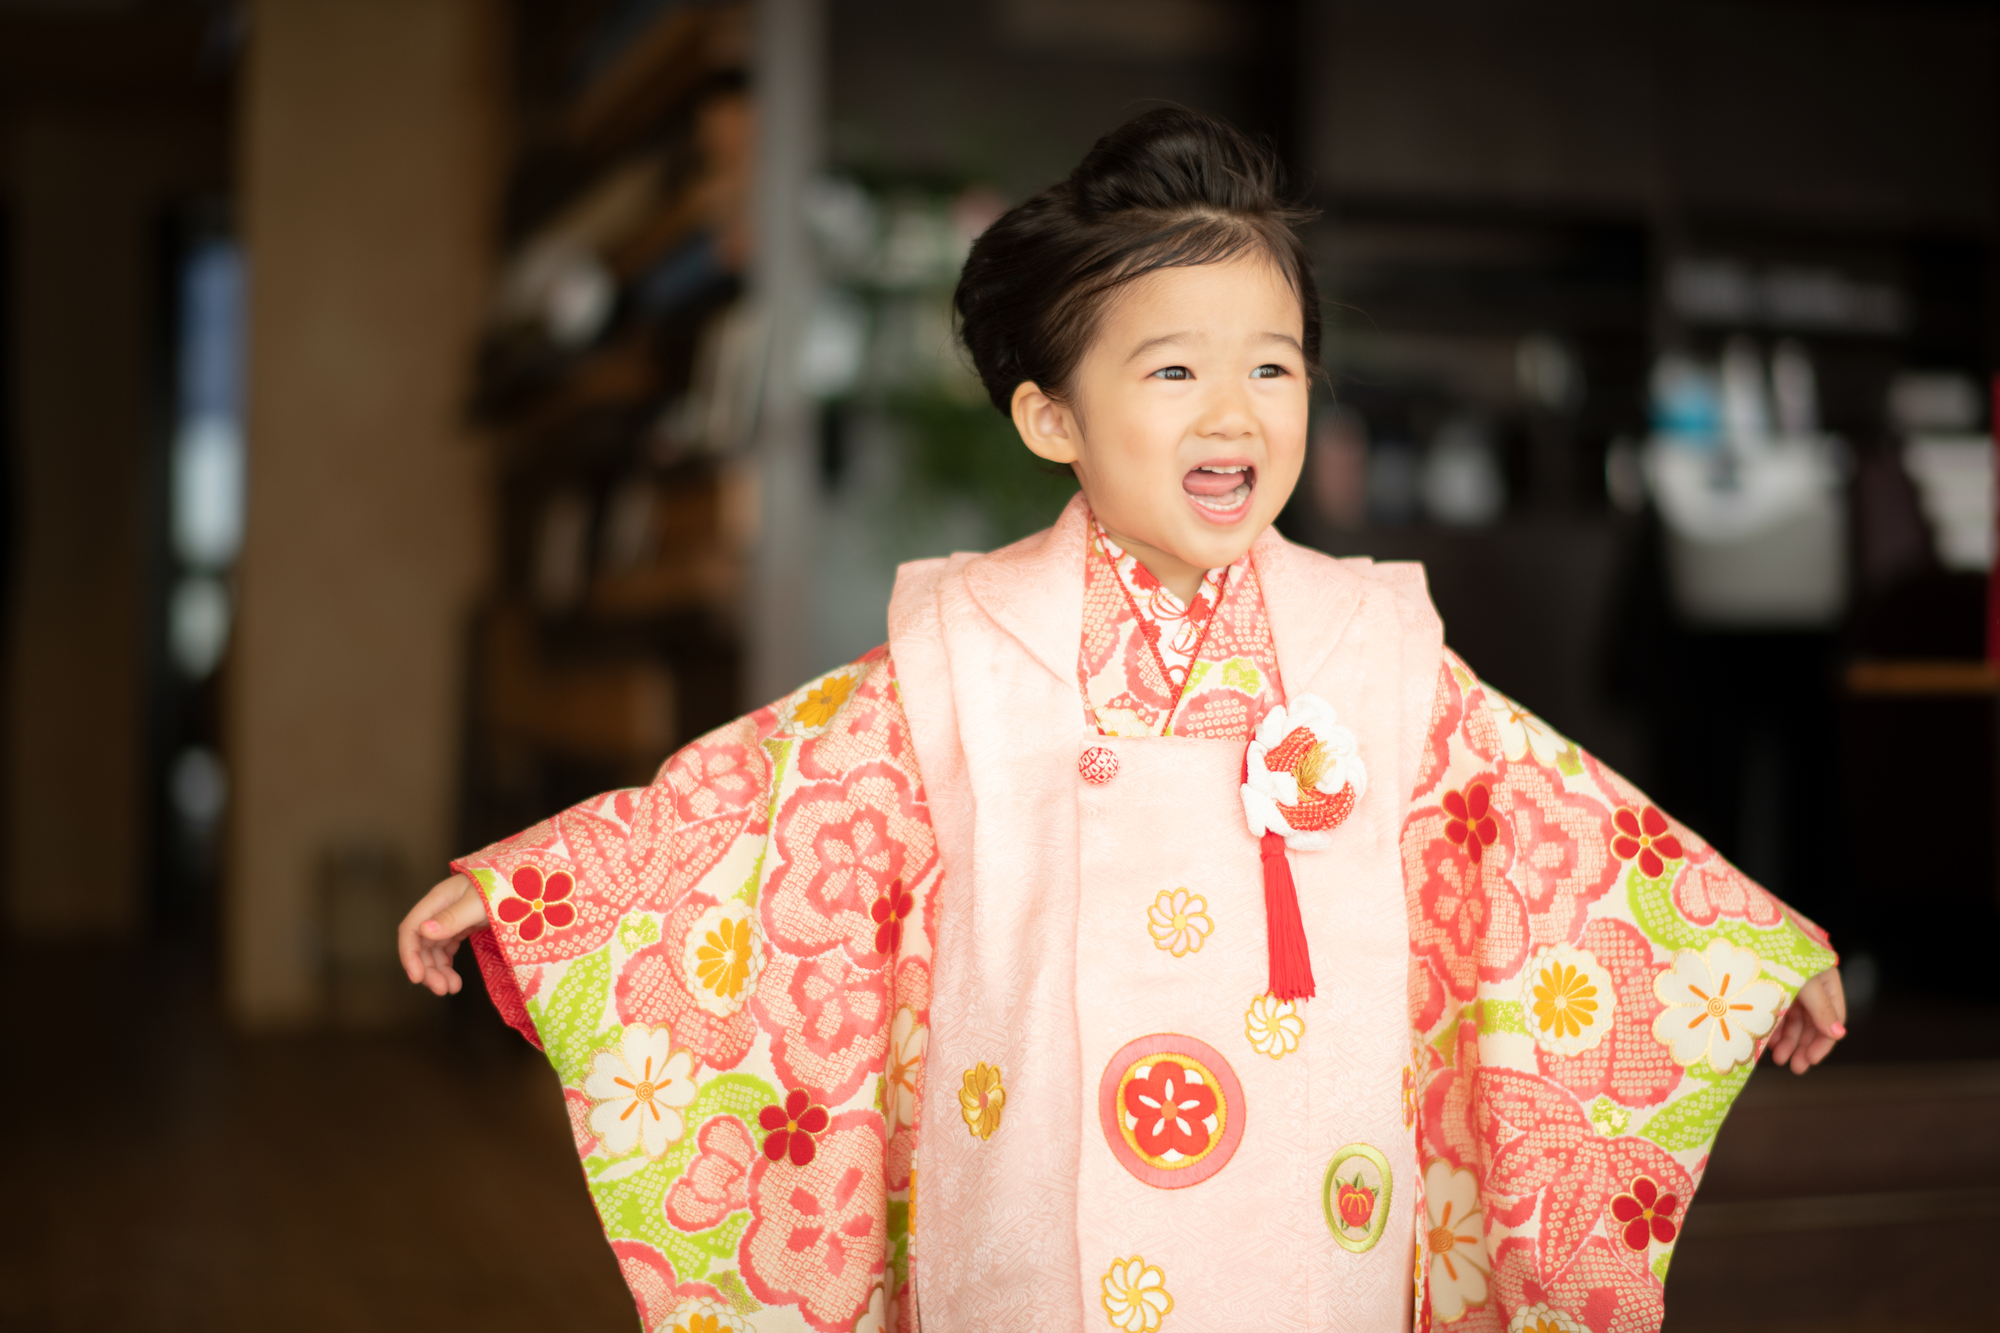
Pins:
x: 1047, y: 427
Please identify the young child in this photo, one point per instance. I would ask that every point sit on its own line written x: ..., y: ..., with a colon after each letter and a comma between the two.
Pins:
x: 1217, y: 952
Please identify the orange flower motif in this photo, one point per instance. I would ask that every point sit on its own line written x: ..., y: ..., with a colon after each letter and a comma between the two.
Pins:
x: 823, y: 700
x: 1471, y: 824
x: 1643, y: 834
x: 981, y: 1098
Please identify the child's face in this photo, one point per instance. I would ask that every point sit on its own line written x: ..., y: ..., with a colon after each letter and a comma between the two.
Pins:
x: 1187, y: 419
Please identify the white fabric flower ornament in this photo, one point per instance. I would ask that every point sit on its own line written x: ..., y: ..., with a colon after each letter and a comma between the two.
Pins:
x: 1302, y: 775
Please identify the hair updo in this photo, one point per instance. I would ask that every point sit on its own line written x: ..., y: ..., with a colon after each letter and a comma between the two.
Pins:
x: 1168, y: 189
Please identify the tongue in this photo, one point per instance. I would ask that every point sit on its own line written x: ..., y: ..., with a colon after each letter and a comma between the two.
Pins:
x: 1198, y: 482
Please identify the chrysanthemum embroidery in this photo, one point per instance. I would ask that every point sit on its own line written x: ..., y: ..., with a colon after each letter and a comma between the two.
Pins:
x: 822, y: 701
x: 1274, y: 1026
x: 1179, y: 922
x: 1569, y: 999
x: 538, y: 903
x: 981, y: 1098
x: 723, y: 958
x: 639, y: 1090
x: 1135, y: 1295
x: 1542, y: 1319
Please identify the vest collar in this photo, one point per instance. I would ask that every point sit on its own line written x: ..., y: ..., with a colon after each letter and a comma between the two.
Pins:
x: 1034, y: 590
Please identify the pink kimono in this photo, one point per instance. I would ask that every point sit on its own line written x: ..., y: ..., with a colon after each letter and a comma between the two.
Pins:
x: 1015, y: 860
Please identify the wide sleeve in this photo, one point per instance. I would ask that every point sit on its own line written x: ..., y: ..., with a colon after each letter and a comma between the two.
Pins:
x: 1590, y: 985
x: 730, y: 972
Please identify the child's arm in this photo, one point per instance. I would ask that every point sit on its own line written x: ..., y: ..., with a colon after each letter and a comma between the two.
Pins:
x: 1813, y: 1024
x: 435, y: 927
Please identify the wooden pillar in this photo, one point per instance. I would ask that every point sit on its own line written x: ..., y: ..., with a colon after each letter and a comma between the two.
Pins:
x: 370, y: 157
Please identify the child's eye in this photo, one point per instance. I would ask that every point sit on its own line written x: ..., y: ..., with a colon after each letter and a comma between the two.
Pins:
x: 1267, y: 372
x: 1172, y: 373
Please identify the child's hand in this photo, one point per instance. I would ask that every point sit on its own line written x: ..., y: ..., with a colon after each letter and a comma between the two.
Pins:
x: 1813, y: 1024
x: 434, y: 929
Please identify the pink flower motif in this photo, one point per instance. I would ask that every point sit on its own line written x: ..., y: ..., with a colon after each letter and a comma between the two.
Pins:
x: 841, y: 845
x: 1470, y: 920
x: 818, y: 1233
x: 889, y: 911
x: 655, y: 1288
x: 828, y: 1020
x: 792, y: 1127
x: 1560, y: 862
x: 1644, y: 834
x: 652, y: 988
x: 1645, y: 1214
x: 1629, y: 1065
x: 713, y: 1185
x: 1597, y: 1290
x: 1710, y: 887
x: 538, y: 903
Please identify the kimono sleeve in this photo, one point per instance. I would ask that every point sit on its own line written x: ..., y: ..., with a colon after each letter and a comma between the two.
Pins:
x: 729, y: 970
x: 1590, y: 986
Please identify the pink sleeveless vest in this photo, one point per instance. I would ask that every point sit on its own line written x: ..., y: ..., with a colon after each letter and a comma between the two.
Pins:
x: 1118, y: 1129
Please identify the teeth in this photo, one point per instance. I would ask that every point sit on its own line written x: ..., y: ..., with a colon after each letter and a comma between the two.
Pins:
x: 1225, y: 471
x: 1222, y: 502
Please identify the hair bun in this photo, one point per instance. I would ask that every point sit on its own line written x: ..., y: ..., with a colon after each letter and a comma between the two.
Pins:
x: 1173, y: 159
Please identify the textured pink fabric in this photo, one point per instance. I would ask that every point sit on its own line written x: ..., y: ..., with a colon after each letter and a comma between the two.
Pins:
x: 1047, y: 967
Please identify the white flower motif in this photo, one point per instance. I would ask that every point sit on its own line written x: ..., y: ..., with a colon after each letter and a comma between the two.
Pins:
x: 1179, y: 922
x: 722, y: 957
x: 639, y: 1090
x: 1716, y: 1006
x: 1274, y: 1026
x: 878, y: 1316
x: 703, y: 1314
x: 1338, y: 761
x: 907, y: 1038
x: 1541, y: 1319
x: 1567, y: 999
x: 1522, y: 733
x: 1454, y: 1240
x: 1135, y: 1295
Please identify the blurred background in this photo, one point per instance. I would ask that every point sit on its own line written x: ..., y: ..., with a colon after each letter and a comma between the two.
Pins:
x: 418, y: 415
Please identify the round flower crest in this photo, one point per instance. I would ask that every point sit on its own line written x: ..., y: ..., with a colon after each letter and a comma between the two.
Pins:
x: 1302, y: 775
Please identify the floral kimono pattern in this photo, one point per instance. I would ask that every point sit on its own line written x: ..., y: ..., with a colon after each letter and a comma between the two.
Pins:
x: 730, y: 972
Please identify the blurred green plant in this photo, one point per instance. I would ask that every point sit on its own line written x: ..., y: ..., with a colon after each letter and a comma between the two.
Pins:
x: 961, y: 449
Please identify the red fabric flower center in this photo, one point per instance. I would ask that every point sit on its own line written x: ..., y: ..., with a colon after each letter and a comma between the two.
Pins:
x: 1470, y: 824
x: 792, y: 1127
x: 1646, y: 1214
x: 889, y: 911
x: 1643, y: 834
x: 1171, y: 1111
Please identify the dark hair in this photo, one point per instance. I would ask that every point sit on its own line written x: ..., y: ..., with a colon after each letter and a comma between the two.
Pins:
x: 1167, y: 189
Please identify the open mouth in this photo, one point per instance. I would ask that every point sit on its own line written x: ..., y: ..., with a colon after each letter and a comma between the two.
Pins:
x: 1220, y: 490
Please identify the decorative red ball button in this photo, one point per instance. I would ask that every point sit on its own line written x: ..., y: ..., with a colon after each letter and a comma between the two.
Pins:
x: 1098, y: 764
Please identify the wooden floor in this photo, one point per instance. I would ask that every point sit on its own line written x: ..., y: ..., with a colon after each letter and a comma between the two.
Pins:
x: 158, y: 1173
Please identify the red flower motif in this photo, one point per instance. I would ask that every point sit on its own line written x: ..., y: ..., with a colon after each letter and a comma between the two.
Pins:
x: 1646, y: 1213
x: 1644, y: 834
x: 538, y: 903
x: 792, y: 1127
x: 889, y: 911
x: 1471, y: 824
x: 1170, y: 1111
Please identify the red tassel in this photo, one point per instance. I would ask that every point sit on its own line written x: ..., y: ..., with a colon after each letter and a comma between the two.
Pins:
x: 1291, y: 962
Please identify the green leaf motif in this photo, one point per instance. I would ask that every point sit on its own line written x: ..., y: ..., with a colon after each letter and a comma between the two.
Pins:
x: 1660, y: 1266
x: 730, y: 1283
x: 1501, y: 1016
x: 1784, y: 944
x: 637, y: 931
x: 1570, y: 762
x: 899, y: 1241
x: 1240, y: 673
x: 573, y: 1016
x: 1692, y: 1121
x: 1196, y: 675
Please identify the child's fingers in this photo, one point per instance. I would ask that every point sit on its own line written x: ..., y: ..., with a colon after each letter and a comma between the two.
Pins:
x: 1823, y: 1000
x: 451, y: 908
x: 1786, y: 1040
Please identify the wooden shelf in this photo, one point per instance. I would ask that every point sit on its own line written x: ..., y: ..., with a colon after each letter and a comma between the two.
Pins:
x: 660, y: 69
x: 1917, y: 679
